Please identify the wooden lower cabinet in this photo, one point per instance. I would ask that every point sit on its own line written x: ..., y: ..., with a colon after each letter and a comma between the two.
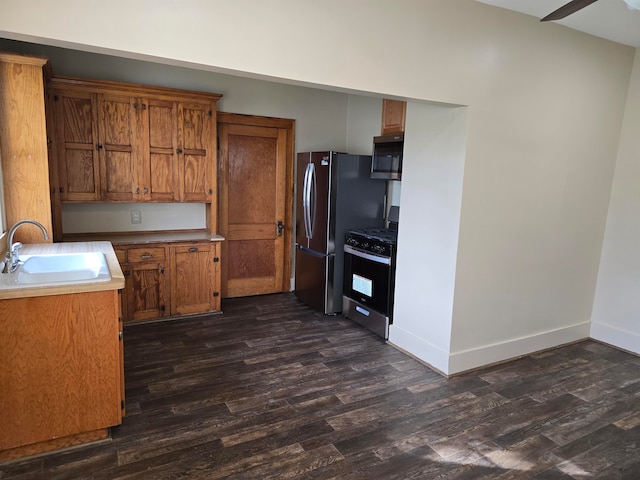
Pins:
x: 62, y: 374
x: 164, y: 280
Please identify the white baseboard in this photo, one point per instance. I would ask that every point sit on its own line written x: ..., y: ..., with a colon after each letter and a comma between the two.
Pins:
x: 486, y: 355
x: 629, y: 341
x: 457, y: 362
x: 419, y: 348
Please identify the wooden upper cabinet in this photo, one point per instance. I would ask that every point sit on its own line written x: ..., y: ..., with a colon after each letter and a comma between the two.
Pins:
x: 116, y: 127
x: 393, y: 116
x: 196, y: 148
x: 132, y: 143
x: 76, y: 139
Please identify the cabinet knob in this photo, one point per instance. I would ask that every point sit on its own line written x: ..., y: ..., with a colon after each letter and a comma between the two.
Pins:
x: 138, y: 190
x: 210, y: 191
x: 146, y: 190
x: 99, y: 147
x: 178, y: 150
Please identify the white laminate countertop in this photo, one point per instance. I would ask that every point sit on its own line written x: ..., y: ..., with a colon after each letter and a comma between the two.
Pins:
x: 9, y: 289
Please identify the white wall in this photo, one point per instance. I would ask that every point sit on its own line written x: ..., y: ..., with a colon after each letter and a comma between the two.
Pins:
x: 433, y: 168
x: 616, y: 310
x: 321, y: 123
x: 545, y: 111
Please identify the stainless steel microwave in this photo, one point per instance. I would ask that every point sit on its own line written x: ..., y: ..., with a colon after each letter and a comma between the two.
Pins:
x: 386, y: 163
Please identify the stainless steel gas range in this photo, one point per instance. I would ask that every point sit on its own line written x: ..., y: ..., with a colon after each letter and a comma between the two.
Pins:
x: 369, y: 278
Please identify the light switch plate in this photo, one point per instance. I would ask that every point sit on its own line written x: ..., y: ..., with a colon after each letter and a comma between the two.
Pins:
x: 136, y: 216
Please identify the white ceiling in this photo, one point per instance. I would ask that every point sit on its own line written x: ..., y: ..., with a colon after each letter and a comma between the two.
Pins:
x: 610, y: 19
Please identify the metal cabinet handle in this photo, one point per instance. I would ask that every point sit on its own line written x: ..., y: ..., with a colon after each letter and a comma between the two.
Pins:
x: 146, y: 255
x: 193, y: 249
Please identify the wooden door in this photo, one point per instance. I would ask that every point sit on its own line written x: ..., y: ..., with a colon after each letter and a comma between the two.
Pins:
x: 76, y: 143
x: 116, y: 131
x: 256, y: 175
x: 158, y: 162
x: 193, y: 279
x: 196, y: 140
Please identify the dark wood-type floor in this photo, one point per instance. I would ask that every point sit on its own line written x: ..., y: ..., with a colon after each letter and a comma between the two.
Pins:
x: 273, y: 390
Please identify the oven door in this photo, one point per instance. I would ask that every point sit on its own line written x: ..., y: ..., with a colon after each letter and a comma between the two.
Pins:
x: 367, y: 279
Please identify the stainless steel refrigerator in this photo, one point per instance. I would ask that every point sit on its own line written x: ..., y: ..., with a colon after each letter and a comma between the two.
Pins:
x: 334, y: 194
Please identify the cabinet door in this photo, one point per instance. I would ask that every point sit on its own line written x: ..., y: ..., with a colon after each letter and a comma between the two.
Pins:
x: 160, y: 175
x: 393, y: 116
x: 193, y: 287
x: 196, y: 152
x: 76, y: 143
x: 146, y: 293
x: 117, y: 124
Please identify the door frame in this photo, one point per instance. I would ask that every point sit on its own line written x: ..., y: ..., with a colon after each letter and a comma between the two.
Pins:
x: 289, y: 126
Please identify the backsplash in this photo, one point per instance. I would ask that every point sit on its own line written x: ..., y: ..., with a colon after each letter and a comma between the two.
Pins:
x: 117, y: 217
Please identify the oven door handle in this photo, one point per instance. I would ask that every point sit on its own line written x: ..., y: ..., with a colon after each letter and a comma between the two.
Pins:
x: 367, y: 256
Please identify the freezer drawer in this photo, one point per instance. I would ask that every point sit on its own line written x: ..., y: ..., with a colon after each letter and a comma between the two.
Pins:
x: 314, y: 280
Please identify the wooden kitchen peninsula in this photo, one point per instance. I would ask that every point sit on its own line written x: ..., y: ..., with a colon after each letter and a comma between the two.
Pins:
x: 61, y: 351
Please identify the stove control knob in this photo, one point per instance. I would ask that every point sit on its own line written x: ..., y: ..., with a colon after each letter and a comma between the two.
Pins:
x: 365, y: 245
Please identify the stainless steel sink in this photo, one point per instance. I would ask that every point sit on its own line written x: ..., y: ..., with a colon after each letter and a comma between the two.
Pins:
x: 63, y: 268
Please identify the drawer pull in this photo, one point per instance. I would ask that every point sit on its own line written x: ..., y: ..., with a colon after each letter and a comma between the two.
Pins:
x: 146, y: 255
x: 193, y: 249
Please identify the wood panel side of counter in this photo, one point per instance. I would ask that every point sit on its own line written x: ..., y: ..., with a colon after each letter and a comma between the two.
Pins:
x: 61, y: 372
x: 23, y: 144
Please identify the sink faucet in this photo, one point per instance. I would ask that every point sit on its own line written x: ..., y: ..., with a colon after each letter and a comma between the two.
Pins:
x: 13, y: 249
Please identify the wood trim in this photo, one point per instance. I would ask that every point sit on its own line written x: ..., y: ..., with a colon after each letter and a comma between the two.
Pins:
x: 110, y: 87
x: 241, y: 119
x: 55, y: 444
x: 34, y: 61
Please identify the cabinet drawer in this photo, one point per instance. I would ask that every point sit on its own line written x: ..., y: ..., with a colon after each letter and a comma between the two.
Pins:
x: 150, y: 254
x: 121, y: 254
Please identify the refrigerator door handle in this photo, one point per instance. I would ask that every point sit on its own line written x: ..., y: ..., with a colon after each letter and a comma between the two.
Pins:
x: 308, y: 199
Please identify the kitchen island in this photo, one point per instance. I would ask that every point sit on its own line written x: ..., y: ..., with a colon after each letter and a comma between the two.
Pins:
x: 62, y: 378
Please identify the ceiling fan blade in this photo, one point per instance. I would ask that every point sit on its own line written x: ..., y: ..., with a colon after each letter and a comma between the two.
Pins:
x: 568, y: 9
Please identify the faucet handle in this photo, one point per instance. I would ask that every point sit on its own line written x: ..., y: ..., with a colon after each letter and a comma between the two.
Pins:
x: 15, y: 252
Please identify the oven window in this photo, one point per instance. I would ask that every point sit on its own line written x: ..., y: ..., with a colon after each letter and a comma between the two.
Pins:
x: 368, y: 282
x: 362, y: 285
